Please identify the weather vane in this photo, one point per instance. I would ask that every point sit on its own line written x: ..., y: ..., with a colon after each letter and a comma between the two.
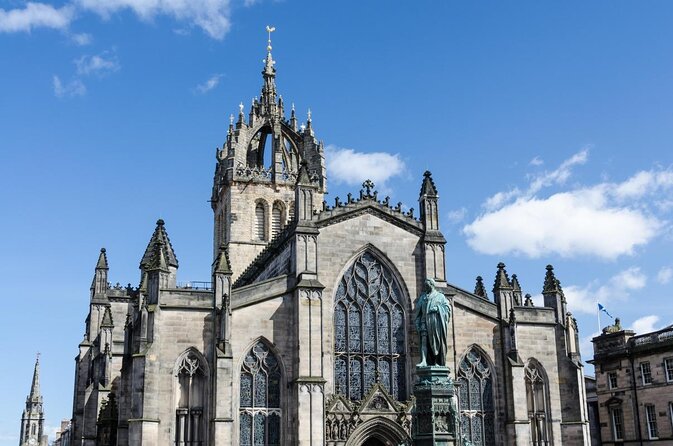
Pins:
x: 269, y: 29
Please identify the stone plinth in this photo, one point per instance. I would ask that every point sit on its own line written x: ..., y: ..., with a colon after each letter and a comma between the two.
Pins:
x: 435, y: 414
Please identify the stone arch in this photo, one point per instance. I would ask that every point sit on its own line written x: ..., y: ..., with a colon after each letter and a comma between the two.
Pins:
x: 380, y: 428
x: 377, y: 350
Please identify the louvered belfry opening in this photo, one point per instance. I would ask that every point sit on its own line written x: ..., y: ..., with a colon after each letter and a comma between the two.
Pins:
x: 260, y: 222
x: 276, y: 219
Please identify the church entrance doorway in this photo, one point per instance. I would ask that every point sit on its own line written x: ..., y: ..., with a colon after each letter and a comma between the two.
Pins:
x: 373, y: 442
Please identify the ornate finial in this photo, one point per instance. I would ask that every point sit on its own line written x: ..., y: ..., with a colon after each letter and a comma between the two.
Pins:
x: 160, y: 222
x: 240, y: 107
x: 231, y: 119
x: 293, y: 106
x: 551, y: 283
x: 302, y: 127
x: 528, y: 302
x: 269, y: 29
x: 309, y: 115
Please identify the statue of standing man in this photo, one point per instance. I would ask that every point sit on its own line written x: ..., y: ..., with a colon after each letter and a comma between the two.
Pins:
x: 432, y: 316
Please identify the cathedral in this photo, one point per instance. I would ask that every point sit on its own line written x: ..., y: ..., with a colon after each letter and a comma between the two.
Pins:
x: 306, y: 334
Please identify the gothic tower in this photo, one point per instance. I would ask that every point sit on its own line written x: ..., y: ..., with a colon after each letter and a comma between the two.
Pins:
x: 257, y: 169
x: 32, y: 420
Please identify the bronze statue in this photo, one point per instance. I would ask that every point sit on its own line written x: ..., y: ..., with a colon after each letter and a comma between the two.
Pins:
x: 432, y: 316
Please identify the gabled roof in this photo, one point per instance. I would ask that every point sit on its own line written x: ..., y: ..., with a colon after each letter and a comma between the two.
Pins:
x: 159, y: 234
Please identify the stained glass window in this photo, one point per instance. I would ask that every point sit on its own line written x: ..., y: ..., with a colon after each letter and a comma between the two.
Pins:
x: 476, y: 399
x: 538, y: 409
x: 259, y: 413
x: 369, y: 330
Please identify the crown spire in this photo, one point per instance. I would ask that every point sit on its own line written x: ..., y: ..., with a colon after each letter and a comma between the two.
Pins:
x: 268, y: 97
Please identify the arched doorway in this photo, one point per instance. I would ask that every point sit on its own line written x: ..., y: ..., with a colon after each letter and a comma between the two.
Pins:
x: 373, y: 442
x: 378, y: 431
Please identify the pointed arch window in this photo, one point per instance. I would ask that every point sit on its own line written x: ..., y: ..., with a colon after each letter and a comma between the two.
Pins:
x: 369, y: 330
x: 538, y: 407
x: 276, y: 219
x: 259, y: 408
x: 191, y: 394
x: 477, y: 413
x: 260, y: 222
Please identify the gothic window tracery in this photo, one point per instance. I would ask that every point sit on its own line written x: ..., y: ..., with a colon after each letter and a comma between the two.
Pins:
x: 538, y: 408
x: 369, y: 330
x: 191, y: 401
x: 476, y: 399
x: 259, y: 409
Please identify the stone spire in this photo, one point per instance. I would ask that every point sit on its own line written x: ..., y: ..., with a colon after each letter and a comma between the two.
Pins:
x: 268, y: 96
x: 35, y: 386
x: 501, y: 279
x: 159, y: 237
x: 102, y: 260
x: 222, y: 264
x: 516, y: 287
x: 553, y: 295
x: 428, y: 187
x: 551, y: 283
x: 479, y: 289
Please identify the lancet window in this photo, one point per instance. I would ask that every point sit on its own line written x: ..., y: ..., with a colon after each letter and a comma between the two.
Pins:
x: 538, y: 407
x: 260, y: 410
x: 260, y: 222
x: 276, y: 219
x: 190, y: 414
x: 369, y: 330
x: 475, y: 382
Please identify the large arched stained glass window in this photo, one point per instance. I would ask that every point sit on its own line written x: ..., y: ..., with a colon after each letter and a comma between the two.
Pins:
x: 260, y: 398
x: 476, y: 399
x: 369, y: 330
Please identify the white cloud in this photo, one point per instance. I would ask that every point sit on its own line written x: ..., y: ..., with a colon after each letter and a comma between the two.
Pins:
x: 537, y: 161
x: 351, y: 167
x: 567, y: 224
x: 584, y: 299
x: 603, y: 220
x: 100, y: 64
x: 36, y: 15
x: 81, y: 39
x: 665, y: 275
x: 645, y: 324
x: 208, y: 85
x: 72, y: 88
x: 212, y: 16
x: 457, y: 215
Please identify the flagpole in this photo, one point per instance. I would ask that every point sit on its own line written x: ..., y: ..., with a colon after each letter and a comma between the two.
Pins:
x: 598, y: 313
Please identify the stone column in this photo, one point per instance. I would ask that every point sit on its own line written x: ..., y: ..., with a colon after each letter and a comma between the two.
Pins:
x: 435, y: 413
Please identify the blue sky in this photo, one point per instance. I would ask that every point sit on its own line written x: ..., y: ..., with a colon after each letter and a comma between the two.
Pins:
x: 547, y: 127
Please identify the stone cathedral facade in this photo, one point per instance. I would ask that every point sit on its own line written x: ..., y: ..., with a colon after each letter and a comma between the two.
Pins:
x: 305, y: 336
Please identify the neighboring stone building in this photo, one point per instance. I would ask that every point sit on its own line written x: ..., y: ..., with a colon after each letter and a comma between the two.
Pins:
x: 63, y: 434
x: 32, y: 419
x: 306, y: 334
x: 634, y: 381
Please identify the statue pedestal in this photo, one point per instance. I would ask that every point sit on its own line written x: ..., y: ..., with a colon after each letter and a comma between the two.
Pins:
x: 435, y: 412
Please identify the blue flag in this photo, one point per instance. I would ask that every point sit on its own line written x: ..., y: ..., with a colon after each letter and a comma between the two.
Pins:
x: 604, y: 310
